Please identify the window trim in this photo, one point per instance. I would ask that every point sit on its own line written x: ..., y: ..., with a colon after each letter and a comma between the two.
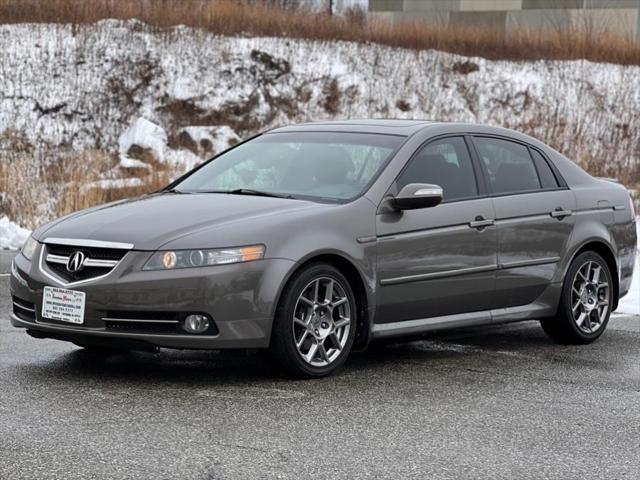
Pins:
x: 537, y: 167
x: 562, y: 185
x: 480, y: 187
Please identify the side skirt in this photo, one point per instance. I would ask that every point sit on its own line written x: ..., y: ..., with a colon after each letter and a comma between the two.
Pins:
x: 545, y: 306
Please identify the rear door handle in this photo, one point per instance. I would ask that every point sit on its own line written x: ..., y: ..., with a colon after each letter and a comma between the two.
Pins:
x: 481, y: 223
x: 560, y: 213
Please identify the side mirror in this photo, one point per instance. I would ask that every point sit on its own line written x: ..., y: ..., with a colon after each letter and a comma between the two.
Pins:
x: 417, y: 195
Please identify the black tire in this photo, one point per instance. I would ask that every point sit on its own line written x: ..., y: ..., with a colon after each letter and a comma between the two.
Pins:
x: 283, y: 347
x: 563, y: 327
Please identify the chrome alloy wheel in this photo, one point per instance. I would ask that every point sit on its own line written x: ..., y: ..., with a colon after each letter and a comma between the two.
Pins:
x: 590, y: 297
x: 321, y: 321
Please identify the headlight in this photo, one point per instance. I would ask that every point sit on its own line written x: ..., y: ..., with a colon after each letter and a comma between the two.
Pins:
x: 172, y: 259
x: 29, y: 248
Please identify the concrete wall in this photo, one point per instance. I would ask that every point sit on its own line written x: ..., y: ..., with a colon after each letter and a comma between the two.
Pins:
x: 618, y: 16
x: 489, y: 5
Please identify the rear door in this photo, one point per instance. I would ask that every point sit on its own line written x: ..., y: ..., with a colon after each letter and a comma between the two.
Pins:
x: 441, y: 260
x: 534, y: 221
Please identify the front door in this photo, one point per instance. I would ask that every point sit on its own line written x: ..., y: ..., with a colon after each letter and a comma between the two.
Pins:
x: 441, y: 260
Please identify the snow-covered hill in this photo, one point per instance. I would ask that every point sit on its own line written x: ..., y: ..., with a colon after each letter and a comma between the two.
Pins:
x: 84, y: 86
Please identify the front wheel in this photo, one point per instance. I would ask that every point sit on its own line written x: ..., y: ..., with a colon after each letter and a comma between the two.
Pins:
x: 314, y: 326
x: 585, y: 304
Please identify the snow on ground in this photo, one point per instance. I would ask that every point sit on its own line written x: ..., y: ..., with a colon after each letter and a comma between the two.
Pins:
x: 12, y: 236
x: 85, y: 86
x: 631, y: 302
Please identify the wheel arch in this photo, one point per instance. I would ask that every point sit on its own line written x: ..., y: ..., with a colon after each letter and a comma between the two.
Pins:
x: 606, y: 251
x: 357, y: 281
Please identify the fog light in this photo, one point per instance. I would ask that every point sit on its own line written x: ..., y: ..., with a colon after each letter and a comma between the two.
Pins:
x: 196, y: 323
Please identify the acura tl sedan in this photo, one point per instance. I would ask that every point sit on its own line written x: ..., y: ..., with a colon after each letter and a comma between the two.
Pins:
x: 314, y: 239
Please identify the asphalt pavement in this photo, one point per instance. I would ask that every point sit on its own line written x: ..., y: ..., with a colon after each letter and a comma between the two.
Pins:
x: 501, y: 403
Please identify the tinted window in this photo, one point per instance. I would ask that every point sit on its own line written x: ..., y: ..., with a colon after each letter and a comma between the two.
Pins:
x: 302, y: 164
x: 547, y: 177
x: 445, y: 163
x: 508, y: 165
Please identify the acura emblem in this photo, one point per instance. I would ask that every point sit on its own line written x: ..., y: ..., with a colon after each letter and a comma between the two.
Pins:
x: 76, y: 261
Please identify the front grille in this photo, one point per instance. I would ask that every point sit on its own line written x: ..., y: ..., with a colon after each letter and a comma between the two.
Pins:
x: 85, y: 274
x: 145, y: 315
x: 91, y: 252
x: 146, y: 327
x: 24, y: 310
x: 97, y: 261
x: 166, y: 323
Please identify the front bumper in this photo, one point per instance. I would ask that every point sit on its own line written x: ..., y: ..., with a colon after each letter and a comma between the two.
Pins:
x: 240, y: 298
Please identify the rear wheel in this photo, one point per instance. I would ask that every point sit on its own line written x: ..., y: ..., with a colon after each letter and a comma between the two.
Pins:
x: 314, y: 328
x: 585, y: 305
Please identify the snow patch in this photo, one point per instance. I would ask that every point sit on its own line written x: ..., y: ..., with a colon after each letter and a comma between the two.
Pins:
x: 144, y: 134
x: 630, y: 303
x: 212, y: 140
x: 113, y: 183
x: 200, y: 142
x: 126, y: 162
x: 184, y: 160
x: 12, y: 236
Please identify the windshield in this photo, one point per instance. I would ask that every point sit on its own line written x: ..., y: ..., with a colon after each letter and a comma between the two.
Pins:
x: 323, y: 165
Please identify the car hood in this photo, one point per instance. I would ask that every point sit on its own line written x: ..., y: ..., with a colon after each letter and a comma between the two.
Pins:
x: 153, y: 221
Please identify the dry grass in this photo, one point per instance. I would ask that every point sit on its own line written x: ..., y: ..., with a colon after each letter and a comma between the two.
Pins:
x: 36, y: 192
x: 262, y: 18
x: 33, y: 191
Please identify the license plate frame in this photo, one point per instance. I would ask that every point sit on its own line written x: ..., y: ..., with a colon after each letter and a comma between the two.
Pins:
x: 63, y: 305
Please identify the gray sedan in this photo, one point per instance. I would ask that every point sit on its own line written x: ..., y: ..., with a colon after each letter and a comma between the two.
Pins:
x: 314, y: 239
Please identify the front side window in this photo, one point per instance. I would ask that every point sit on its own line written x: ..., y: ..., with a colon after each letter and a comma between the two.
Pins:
x: 328, y: 166
x: 445, y: 163
x: 508, y: 165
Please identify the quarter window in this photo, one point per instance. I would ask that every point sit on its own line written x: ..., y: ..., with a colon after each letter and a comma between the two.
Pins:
x: 547, y: 178
x: 445, y: 163
x: 508, y: 165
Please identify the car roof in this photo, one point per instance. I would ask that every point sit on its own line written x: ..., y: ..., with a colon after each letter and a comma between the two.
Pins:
x: 404, y: 127
x: 407, y: 127
x: 384, y: 126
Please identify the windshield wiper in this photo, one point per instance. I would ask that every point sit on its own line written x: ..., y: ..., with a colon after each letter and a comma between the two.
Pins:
x: 237, y: 191
x: 249, y: 191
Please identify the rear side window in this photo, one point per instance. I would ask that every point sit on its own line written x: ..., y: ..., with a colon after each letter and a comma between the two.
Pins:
x: 547, y: 178
x: 445, y: 163
x: 508, y: 165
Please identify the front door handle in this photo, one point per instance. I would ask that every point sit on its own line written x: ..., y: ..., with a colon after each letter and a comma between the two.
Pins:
x: 560, y: 213
x: 481, y: 223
